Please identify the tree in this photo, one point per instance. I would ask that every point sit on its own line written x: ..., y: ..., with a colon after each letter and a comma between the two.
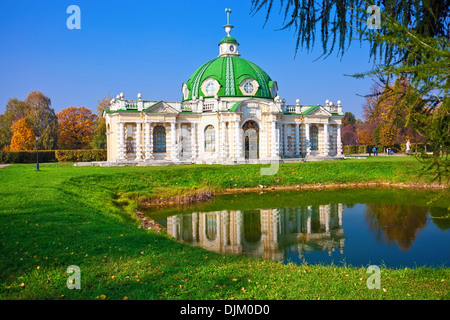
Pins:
x: 413, y: 41
x: 75, y: 128
x: 365, y: 135
x: 15, y: 110
x: 438, y: 162
x: 23, y: 137
x: 99, y: 138
x: 349, y: 135
x: 348, y: 129
x: 42, y: 119
x: 349, y: 118
x: 341, y: 21
x: 40, y: 116
x: 388, y: 134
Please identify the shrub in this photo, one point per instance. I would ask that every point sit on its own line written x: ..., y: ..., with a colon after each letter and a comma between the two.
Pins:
x: 81, y: 155
x: 28, y: 156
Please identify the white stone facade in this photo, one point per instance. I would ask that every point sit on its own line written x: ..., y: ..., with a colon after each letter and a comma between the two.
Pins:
x: 220, y: 130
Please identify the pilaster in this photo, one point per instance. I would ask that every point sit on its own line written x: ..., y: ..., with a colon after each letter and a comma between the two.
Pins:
x: 193, y: 141
x: 173, y: 144
x: 307, y: 140
x: 138, y: 142
x: 148, y: 141
x: 338, y: 140
x: 326, y: 140
x: 121, y: 146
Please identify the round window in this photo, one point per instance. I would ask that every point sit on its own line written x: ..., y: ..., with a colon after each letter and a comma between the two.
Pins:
x: 248, y: 87
x: 210, y: 88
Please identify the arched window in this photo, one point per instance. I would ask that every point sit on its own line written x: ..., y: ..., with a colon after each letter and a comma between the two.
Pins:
x: 211, y: 226
x: 314, y: 137
x: 159, y: 139
x: 251, y: 139
x: 210, y: 139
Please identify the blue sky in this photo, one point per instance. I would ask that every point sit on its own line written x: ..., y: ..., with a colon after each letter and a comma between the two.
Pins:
x: 152, y: 47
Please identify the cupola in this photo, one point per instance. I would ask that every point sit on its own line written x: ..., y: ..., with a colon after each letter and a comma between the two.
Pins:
x: 228, y: 46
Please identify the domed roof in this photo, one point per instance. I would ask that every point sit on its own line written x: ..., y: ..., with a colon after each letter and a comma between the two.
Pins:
x: 230, y: 73
x: 228, y: 39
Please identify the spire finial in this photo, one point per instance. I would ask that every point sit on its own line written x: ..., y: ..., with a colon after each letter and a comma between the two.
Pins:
x: 228, y: 11
x: 228, y: 26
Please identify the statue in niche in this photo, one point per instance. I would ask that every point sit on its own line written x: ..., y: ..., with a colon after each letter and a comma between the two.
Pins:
x: 129, y: 147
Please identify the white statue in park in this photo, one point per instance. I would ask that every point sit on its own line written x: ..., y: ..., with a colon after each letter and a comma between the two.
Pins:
x: 408, y: 147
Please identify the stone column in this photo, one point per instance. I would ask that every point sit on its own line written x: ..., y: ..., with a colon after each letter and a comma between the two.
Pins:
x: 201, y: 141
x: 239, y: 230
x: 121, y: 146
x: 275, y: 217
x: 297, y: 140
x: 340, y: 212
x: 280, y: 139
x: 286, y: 146
x: 148, y: 141
x: 273, y: 139
x: 173, y: 143
x: 238, y: 144
x: 217, y: 134
x: 193, y: 141
x: 326, y: 139
x: 307, y: 142
x: 138, y: 142
x: 277, y: 139
x: 308, y: 220
x: 194, y: 227
x: 222, y: 135
x: 178, y: 140
x: 338, y: 139
x: 226, y: 227
x: 226, y: 143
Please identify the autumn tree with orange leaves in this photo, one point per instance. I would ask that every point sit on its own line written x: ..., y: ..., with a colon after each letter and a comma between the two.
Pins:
x: 23, y: 137
x: 75, y: 128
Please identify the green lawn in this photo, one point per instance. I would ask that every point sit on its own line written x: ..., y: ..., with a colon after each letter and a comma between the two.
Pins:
x: 65, y: 215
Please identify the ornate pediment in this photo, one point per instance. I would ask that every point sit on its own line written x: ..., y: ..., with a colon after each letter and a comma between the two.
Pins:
x: 161, y: 107
x: 319, y: 112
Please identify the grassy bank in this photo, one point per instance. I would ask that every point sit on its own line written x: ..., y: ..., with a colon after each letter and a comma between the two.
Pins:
x: 65, y: 215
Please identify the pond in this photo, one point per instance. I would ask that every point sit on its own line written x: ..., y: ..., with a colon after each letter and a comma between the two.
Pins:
x: 387, y: 227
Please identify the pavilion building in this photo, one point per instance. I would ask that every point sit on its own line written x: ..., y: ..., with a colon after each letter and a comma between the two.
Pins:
x: 230, y: 112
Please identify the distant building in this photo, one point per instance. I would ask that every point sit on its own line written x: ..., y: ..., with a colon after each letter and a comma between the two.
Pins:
x: 230, y: 112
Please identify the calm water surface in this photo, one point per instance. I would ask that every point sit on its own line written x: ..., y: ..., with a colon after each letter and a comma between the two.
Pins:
x: 395, y: 228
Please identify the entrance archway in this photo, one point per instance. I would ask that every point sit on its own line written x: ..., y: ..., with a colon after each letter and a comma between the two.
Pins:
x: 251, y: 139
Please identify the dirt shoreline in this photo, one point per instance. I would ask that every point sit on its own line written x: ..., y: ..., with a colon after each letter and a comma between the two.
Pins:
x: 205, y: 195
x: 401, y: 185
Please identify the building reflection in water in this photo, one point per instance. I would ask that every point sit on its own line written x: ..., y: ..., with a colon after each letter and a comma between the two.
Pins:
x: 268, y: 233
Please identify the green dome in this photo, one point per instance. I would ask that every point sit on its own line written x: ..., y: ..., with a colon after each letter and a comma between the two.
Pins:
x: 230, y: 73
x: 228, y: 39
